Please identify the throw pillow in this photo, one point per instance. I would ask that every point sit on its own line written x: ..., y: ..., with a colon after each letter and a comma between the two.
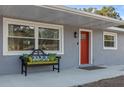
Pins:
x: 52, y: 57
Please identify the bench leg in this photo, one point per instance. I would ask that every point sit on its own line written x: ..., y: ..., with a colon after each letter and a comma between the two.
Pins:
x: 58, y: 66
x: 22, y: 68
x: 25, y: 70
x: 53, y: 67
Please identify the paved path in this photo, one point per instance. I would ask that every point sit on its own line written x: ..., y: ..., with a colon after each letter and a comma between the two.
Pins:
x: 67, y: 77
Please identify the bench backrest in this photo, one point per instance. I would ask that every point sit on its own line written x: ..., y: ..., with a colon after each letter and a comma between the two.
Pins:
x: 38, y: 52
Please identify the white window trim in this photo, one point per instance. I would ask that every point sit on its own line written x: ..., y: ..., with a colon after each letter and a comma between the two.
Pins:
x: 7, y: 21
x: 115, y: 44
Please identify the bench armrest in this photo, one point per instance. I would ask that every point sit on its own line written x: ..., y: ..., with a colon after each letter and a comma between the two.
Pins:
x: 58, y: 57
x: 23, y: 59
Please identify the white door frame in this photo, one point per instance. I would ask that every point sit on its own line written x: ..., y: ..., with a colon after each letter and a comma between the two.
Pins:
x: 91, y: 45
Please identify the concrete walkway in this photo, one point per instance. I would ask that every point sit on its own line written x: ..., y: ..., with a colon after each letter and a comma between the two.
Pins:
x: 67, y: 77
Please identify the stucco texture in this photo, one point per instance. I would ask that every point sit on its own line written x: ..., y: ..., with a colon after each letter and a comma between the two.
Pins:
x: 11, y: 63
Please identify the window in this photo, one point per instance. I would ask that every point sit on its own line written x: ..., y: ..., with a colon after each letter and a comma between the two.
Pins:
x: 110, y: 40
x: 20, y: 37
x: 48, y: 39
x: 23, y: 36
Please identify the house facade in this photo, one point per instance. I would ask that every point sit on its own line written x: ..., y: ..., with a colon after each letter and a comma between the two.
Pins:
x: 80, y: 38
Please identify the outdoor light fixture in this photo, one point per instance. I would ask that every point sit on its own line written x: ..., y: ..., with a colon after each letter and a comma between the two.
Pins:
x: 75, y: 34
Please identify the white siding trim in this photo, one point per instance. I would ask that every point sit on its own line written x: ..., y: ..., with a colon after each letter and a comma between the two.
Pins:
x: 116, y: 29
x: 116, y: 43
x: 7, y: 21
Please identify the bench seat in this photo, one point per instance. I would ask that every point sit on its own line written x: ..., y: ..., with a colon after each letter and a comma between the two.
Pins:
x: 35, y: 63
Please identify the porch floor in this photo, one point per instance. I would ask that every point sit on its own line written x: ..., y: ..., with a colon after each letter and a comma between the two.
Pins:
x: 66, y: 77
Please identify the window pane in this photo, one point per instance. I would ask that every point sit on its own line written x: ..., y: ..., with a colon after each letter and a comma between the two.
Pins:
x: 108, y: 37
x: 48, y: 33
x: 48, y: 44
x: 20, y: 44
x: 21, y: 30
x: 109, y: 44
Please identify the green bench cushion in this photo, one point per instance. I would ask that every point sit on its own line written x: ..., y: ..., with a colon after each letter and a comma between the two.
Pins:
x: 35, y: 63
x: 49, y: 57
x: 43, y: 59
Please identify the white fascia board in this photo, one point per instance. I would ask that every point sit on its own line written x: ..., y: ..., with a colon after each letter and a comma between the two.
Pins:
x: 116, y: 29
x: 82, y: 13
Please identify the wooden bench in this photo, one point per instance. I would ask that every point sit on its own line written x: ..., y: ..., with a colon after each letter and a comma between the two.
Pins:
x: 26, y: 60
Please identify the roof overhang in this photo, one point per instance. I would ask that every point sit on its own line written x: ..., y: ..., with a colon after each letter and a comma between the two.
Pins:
x: 59, y: 15
x: 116, y: 29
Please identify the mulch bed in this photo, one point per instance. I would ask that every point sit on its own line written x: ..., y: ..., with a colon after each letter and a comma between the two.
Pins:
x: 111, y: 82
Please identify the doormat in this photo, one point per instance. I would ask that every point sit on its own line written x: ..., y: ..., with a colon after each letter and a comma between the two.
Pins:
x: 92, y: 67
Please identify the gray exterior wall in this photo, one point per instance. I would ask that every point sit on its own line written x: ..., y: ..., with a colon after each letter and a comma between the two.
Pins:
x: 11, y: 64
x: 107, y: 57
x: 70, y: 58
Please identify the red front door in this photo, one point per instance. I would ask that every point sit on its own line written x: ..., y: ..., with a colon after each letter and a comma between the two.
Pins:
x: 84, y: 48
